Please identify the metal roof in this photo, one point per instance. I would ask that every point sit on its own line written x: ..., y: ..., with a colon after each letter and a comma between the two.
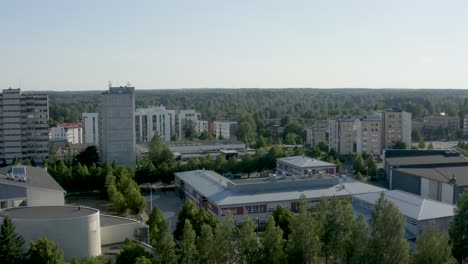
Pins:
x: 411, y: 205
x: 440, y: 174
x: 216, y: 189
x: 37, y: 177
x: 305, y: 162
x: 426, y: 160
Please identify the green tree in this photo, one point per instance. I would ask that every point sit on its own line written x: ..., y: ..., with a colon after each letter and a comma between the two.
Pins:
x: 459, y: 229
x: 432, y: 247
x: 388, y: 244
x: 273, y: 243
x: 399, y: 145
x: 129, y: 252
x: 283, y: 218
x: 430, y: 146
x: 44, y: 251
x: 371, y: 166
x: 164, y: 246
x: 357, y: 251
x: 226, y: 242
x: 206, y: 246
x: 249, y: 242
x: 359, y: 176
x: 11, y: 244
x: 88, y: 156
x: 188, y: 250
x: 95, y: 260
x: 421, y: 143
x: 358, y: 164
x: 159, y: 152
x: 143, y: 260
x: 304, y: 241
x: 336, y: 230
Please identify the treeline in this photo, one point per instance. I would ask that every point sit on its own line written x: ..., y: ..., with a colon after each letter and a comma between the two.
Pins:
x: 160, y: 164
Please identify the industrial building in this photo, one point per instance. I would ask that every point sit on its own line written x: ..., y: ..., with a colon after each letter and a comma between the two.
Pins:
x: 258, y: 197
x: 303, y: 166
x: 78, y: 230
x: 28, y: 186
x: 418, y: 211
x: 24, y: 126
x: 117, y: 126
x: 441, y: 175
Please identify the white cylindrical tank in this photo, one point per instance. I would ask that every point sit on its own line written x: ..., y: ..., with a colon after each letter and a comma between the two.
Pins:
x: 75, y: 229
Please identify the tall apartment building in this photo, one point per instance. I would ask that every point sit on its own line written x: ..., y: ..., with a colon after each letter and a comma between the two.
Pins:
x: 465, y: 125
x: 71, y: 132
x: 370, y: 133
x: 90, y: 128
x: 444, y: 121
x: 153, y: 121
x: 356, y: 134
x: 343, y: 134
x: 117, y: 125
x: 396, y: 127
x: 24, y: 124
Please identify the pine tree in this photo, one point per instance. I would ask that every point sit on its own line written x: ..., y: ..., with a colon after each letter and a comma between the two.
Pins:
x: 165, y: 247
x: 188, y: 250
x: 11, y: 244
x: 388, y: 244
x: 249, y: 243
x: 273, y: 243
x: 129, y: 252
x: 206, y: 246
x: 459, y: 229
x: 432, y: 247
x: 357, y: 249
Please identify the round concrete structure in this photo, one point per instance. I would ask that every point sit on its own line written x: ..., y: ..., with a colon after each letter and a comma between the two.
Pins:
x: 75, y: 229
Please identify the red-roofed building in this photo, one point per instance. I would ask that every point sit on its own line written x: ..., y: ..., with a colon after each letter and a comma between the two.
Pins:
x: 71, y: 132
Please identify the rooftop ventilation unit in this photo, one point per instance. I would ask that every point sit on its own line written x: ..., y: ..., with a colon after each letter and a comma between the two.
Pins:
x: 18, y: 173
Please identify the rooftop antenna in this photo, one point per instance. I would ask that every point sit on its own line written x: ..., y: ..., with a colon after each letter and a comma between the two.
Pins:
x: 128, y: 84
x: 110, y: 84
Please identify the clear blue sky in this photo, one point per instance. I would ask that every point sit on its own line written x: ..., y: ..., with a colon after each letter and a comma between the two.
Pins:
x: 81, y: 45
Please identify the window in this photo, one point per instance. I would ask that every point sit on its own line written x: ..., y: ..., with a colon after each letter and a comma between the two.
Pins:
x: 3, y: 204
x: 255, y: 209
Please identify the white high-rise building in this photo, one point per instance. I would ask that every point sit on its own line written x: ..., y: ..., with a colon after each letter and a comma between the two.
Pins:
x: 71, y: 132
x: 90, y: 128
x: 153, y: 121
x: 186, y: 122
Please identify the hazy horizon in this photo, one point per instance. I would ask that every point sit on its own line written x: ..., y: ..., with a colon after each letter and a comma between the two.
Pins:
x: 81, y: 45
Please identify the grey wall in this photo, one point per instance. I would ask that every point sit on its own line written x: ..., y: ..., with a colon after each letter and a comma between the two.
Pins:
x: 10, y: 191
x: 406, y: 182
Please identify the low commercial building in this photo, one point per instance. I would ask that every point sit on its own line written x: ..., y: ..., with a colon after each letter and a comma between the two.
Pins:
x: 303, y: 166
x: 79, y: 231
x: 435, y: 174
x: 28, y: 186
x: 418, y: 211
x: 258, y: 197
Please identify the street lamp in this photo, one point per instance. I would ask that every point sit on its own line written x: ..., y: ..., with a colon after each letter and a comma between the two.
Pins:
x: 257, y: 224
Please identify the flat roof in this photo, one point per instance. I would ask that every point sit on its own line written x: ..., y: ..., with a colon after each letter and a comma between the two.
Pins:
x: 48, y: 212
x: 36, y: 177
x: 110, y: 220
x: 441, y: 174
x: 305, y: 162
x: 216, y: 189
x: 426, y: 160
x: 411, y: 205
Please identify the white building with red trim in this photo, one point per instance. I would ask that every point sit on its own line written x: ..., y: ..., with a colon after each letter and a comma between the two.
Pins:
x: 303, y: 165
x: 258, y: 197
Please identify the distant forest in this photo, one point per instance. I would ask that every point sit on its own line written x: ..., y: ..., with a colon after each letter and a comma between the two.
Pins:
x: 259, y: 107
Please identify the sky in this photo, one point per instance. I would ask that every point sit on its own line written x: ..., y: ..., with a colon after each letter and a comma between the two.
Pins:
x: 82, y: 45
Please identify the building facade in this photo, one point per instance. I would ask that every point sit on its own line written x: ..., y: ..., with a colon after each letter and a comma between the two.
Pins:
x: 71, y: 132
x: 316, y: 135
x: 153, y: 121
x: 225, y: 129
x: 442, y: 121
x: 24, y: 126
x: 344, y: 134
x: 186, y: 122
x: 370, y: 133
x: 117, y: 126
x: 396, y: 127
x: 90, y: 128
